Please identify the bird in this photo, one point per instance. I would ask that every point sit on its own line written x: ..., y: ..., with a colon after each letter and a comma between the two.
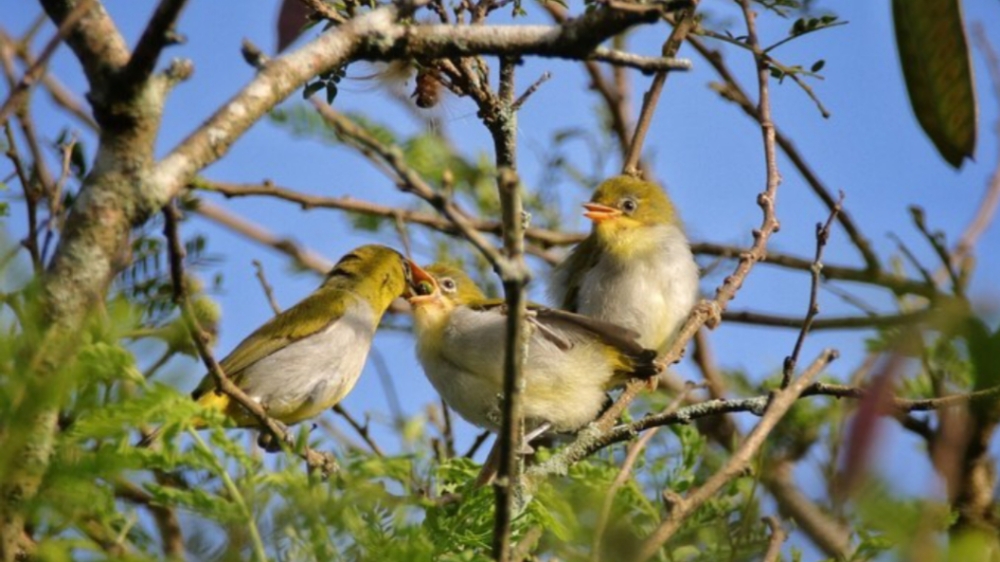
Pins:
x: 307, y: 358
x: 635, y: 268
x: 571, y: 361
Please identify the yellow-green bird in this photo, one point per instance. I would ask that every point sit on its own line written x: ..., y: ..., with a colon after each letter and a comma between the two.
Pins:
x: 635, y: 269
x: 570, y: 363
x: 307, y: 358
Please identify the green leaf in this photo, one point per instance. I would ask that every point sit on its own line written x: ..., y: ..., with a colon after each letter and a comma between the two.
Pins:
x: 818, y: 65
x: 934, y: 55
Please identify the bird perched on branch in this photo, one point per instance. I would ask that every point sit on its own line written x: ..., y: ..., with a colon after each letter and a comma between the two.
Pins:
x: 635, y: 269
x: 307, y: 358
x: 570, y: 360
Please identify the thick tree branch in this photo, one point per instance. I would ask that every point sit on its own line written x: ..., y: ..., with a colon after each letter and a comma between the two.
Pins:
x: 96, y: 42
x: 377, y: 36
x: 158, y: 35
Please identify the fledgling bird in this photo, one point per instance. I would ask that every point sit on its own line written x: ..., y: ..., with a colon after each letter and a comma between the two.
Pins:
x: 570, y: 362
x: 307, y: 358
x: 635, y: 269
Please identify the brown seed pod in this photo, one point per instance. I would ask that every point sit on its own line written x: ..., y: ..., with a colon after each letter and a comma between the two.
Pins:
x: 427, y: 92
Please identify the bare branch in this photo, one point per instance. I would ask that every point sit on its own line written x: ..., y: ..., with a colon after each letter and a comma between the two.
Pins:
x: 159, y: 33
x: 778, y: 536
x: 631, y: 456
x: 515, y: 276
x: 734, y: 92
x: 31, y: 76
x: 304, y: 258
x: 651, y: 99
x: 377, y: 36
x: 268, y: 290
x: 774, y: 409
x: 362, y: 430
x: 829, y: 323
x: 822, y: 236
x: 827, y: 533
x: 97, y: 43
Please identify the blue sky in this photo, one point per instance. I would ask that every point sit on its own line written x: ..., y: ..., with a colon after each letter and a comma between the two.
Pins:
x: 703, y: 149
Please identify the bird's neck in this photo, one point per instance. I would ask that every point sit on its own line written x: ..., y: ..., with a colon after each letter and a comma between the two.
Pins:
x: 631, y: 243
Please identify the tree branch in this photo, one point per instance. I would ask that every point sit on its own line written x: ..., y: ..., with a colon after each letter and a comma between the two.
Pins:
x: 734, y: 92
x: 66, y: 26
x: 377, y: 36
x: 98, y: 45
x: 159, y: 33
x: 652, y: 97
x: 822, y: 236
x: 774, y: 408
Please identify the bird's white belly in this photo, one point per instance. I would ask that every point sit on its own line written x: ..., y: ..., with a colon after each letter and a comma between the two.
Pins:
x: 306, y: 377
x: 651, y: 296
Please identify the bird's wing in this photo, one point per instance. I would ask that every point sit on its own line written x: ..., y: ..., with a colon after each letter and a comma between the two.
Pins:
x: 634, y: 360
x: 568, y: 276
x: 309, y: 316
x: 564, y: 329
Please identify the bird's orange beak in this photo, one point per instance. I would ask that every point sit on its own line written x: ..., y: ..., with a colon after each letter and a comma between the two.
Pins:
x: 600, y: 213
x: 423, y: 287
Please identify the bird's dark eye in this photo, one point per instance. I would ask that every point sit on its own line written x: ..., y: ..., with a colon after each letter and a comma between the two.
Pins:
x: 629, y: 205
x: 448, y: 284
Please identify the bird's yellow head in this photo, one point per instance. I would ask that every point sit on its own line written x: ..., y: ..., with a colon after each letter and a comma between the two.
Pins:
x: 437, y: 289
x: 445, y: 283
x: 378, y: 273
x: 623, y: 205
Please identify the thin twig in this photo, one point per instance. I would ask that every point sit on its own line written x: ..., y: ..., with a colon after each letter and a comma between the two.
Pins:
x: 30, y: 241
x: 448, y: 431
x: 171, y: 534
x: 673, y: 43
x: 410, y: 180
x: 36, y: 70
x: 774, y: 409
x: 548, y: 238
x: 389, y: 386
x: 822, y: 237
x: 734, y: 92
x: 531, y: 90
x: 304, y: 258
x: 937, y: 242
x: 268, y: 289
x: 830, y: 323
x: 829, y: 534
x: 361, y: 429
x: 991, y: 199
x: 476, y: 444
x: 59, y: 94
x: 778, y: 537
x: 158, y: 34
